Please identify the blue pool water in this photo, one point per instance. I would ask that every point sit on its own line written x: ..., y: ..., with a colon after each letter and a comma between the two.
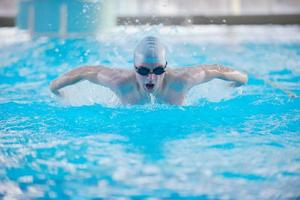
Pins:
x: 224, y: 143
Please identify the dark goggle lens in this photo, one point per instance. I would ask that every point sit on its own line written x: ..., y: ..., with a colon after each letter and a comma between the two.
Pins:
x: 145, y: 71
x: 158, y: 70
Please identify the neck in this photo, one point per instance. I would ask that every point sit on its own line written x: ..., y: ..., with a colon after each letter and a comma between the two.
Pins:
x: 160, y: 90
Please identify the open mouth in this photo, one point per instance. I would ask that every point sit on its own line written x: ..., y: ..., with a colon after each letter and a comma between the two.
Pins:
x: 149, y: 86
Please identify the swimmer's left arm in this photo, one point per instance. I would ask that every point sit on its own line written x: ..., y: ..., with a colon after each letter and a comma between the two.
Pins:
x: 205, y: 73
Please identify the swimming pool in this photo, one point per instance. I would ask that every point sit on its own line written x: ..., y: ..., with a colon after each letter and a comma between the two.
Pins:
x: 224, y: 143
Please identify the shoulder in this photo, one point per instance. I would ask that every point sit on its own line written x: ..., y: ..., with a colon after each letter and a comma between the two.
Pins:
x: 184, y: 74
x: 125, y: 83
x: 113, y: 77
x: 187, y: 76
x: 123, y: 77
x: 114, y: 73
x: 177, y: 79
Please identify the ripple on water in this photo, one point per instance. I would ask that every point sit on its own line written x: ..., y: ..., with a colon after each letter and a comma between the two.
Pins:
x: 224, y: 143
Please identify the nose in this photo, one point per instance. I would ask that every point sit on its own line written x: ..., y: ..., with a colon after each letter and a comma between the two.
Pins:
x: 151, y: 76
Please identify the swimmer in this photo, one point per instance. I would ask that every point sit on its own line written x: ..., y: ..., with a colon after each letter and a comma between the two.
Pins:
x: 151, y: 76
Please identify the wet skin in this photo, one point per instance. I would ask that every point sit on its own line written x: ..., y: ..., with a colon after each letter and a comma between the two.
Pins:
x: 132, y: 88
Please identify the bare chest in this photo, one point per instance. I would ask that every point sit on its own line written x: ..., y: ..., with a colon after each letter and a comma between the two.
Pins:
x: 129, y: 94
x: 174, y: 92
x: 171, y: 97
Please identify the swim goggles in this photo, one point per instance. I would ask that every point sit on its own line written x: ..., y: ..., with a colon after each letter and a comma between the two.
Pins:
x: 144, y: 71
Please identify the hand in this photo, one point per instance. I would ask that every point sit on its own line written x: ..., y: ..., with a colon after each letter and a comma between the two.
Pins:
x: 241, y: 80
x: 54, y: 90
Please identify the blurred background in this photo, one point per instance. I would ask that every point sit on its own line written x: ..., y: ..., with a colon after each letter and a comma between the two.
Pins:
x: 64, y: 17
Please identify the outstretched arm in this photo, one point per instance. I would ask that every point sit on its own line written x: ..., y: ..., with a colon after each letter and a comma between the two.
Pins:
x: 96, y: 74
x: 201, y: 74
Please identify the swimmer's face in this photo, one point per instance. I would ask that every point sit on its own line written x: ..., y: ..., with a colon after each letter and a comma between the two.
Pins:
x: 150, y: 76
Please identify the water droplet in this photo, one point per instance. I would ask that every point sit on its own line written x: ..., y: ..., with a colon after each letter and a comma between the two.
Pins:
x: 86, y: 53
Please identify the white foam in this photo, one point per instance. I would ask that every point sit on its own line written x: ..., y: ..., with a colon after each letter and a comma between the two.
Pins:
x: 12, y: 35
x: 213, y: 91
x: 86, y: 93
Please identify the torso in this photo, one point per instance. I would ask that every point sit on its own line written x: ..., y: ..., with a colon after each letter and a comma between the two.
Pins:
x: 174, y: 90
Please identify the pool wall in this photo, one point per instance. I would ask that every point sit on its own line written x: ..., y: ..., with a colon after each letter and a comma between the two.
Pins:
x: 65, y: 18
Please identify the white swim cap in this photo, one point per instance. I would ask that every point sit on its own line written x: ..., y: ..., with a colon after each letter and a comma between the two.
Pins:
x: 150, y: 50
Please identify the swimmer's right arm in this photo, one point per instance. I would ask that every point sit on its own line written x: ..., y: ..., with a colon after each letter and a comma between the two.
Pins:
x: 95, y: 74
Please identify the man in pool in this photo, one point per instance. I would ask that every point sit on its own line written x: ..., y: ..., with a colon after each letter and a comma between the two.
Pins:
x: 150, y: 77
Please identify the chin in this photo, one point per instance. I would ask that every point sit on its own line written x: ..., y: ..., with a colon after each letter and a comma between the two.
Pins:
x: 149, y: 90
